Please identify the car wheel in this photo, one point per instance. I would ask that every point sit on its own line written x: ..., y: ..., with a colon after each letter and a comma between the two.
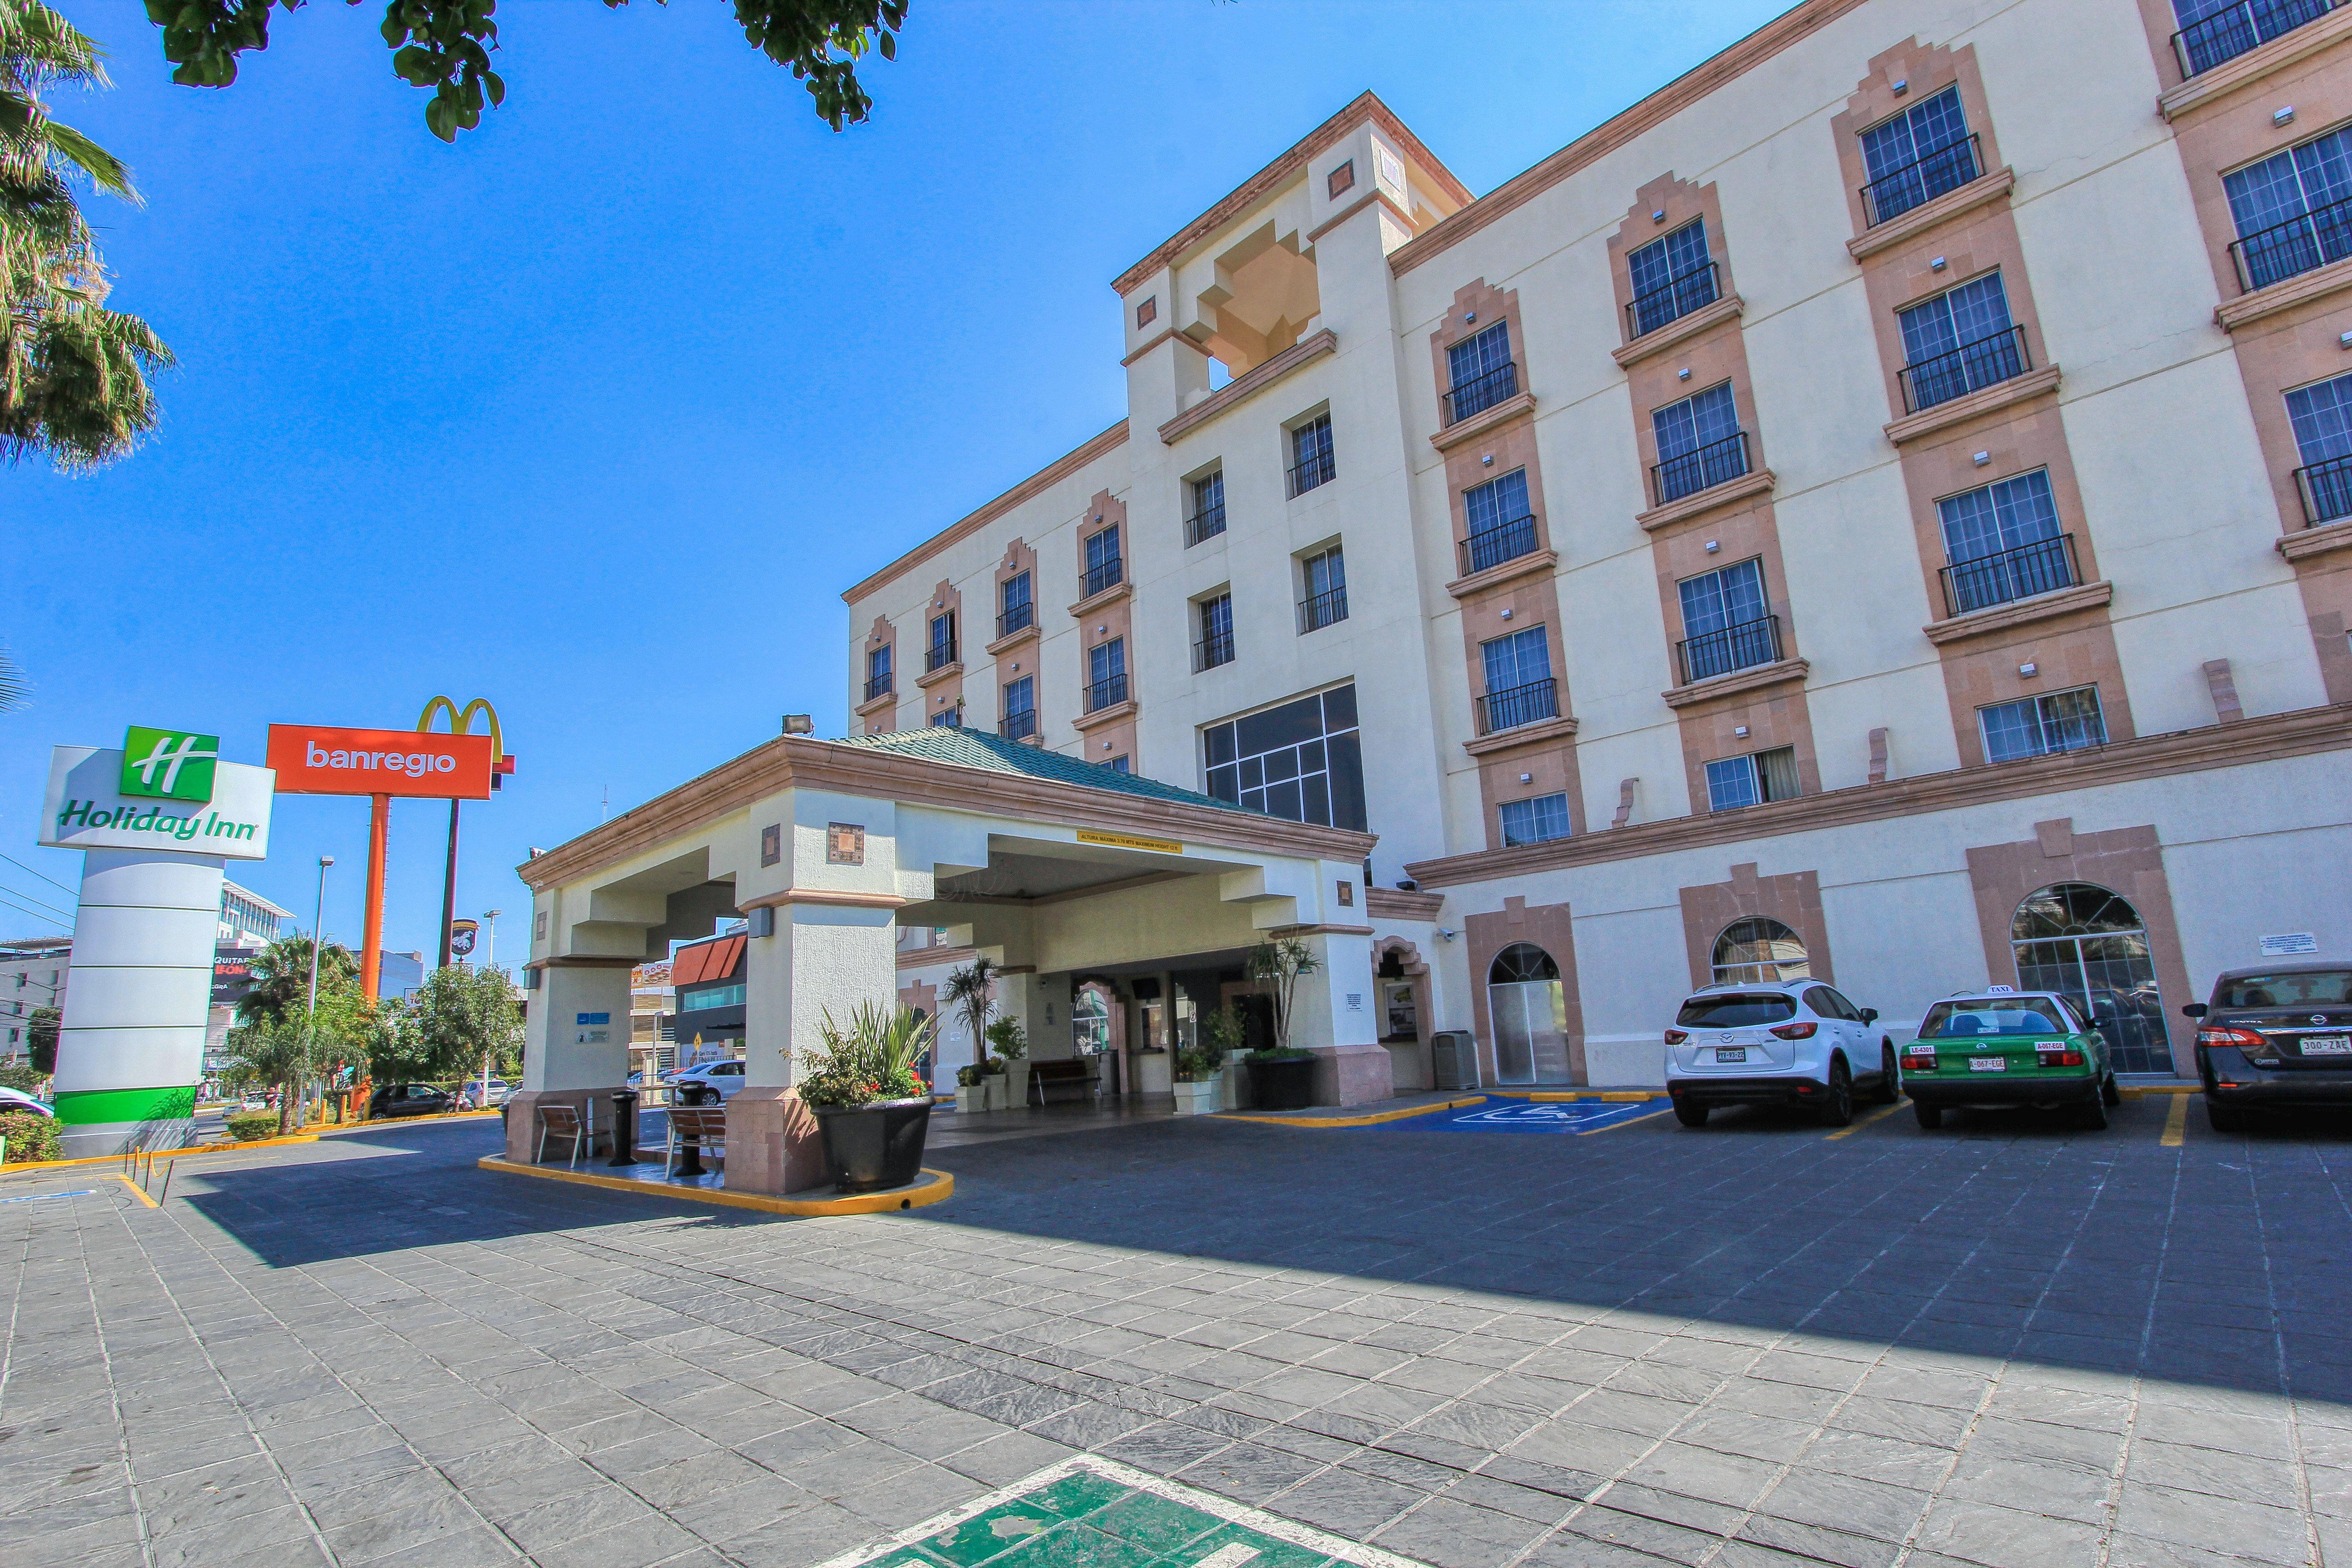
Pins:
x: 1837, y: 1110
x: 1890, y: 1088
x: 1690, y: 1115
x: 2091, y: 1116
x: 2224, y: 1118
x: 1930, y: 1116
x: 2109, y: 1094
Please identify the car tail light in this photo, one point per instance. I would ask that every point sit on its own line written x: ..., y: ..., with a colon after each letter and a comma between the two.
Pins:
x: 2244, y: 1039
x: 2058, y: 1057
x: 1918, y: 1058
x: 1675, y: 1036
x: 1795, y: 1031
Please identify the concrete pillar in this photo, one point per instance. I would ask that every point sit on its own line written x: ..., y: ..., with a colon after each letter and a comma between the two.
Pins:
x: 1332, y: 1015
x: 575, y: 1049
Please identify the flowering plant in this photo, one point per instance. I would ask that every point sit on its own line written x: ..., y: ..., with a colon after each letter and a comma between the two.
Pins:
x: 870, y: 1058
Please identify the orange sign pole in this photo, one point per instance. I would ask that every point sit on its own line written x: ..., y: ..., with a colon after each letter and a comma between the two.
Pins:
x: 371, y: 943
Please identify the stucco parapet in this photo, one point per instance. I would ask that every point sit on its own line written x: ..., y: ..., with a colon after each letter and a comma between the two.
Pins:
x: 1738, y: 682
x: 2209, y: 87
x: 1715, y: 498
x: 1541, y: 732
x: 1373, y: 197
x: 2303, y: 732
x: 1484, y: 421
x: 1101, y: 716
x: 1011, y: 640
x: 952, y: 670
x: 935, y: 957
x: 837, y: 898
x: 2021, y: 612
x: 2285, y: 295
x: 873, y: 705
x: 2017, y: 389
x: 1508, y: 572
x: 1103, y: 600
x: 2304, y: 543
x: 1243, y: 387
x: 1399, y: 904
x: 1681, y: 329
x: 1983, y: 191
x: 584, y: 960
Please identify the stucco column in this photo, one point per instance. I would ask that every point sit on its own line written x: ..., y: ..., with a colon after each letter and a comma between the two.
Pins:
x: 575, y: 1050
x: 1331, y: 1014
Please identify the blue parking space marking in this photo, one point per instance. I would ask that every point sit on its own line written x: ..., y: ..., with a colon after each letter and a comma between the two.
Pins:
x: 1527, y: 1116
x: 44, y: 1198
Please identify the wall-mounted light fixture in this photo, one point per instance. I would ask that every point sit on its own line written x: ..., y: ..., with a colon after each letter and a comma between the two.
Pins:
x: 1713, y: 545
x: 2283, y: 116
x: 1487, y: 461
x: 1902, y: 87
x: 1683, y: 374
x: 1980, y: 458
x: 1507, y: 615
x: 1527, y: 778
x: 1936, y: 265
x: 1659, y: 215
x: 1740, y: 731
x: 1468, y: 317
x: 2029, y: 670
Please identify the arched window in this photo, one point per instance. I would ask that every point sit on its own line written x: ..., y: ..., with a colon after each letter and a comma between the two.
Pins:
x: 1758, y: 950
x: 1529, y: 1007
x: 2085, y: 941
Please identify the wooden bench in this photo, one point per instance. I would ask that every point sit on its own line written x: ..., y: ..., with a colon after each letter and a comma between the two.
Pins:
x: 1080, y: 1074
x: 695, y: 1130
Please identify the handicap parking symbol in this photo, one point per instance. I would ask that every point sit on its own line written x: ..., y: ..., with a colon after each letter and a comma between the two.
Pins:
x: 1527, y: 1116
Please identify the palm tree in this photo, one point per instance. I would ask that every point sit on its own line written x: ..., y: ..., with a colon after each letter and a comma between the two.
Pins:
x: 281, y: 979
x: 968, y: 992
x: 73, y: 374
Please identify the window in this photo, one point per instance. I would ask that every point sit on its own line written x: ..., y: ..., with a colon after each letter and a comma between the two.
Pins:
x: 1020, y: 721
x: 1310, y: 454
x: 1757, y: 951
x: 877, y: 671
x: 1671, y: 277
x: 942, y: 651
x: 1724, y: 626
x: 1107, y: 673
x: 2212, y: 31
x: 1104, y: 567
x: 1519, y: 687
x: 1917, y: 156
x: 1752, y: 780
x: 1958, y: 341
x: 1216, y: 646
x: 1300, y: 760
x: 2322, y: 417
x: 1120, y: 764
x: 947, y: 718
x: 1482, y: 372
x: 701, y: 997
x: 1208, y: 517
x: 2036, y: 726
x: 1536, y: 821
x: 1325, y: 578
x: 2003, y: 543
x: 2294, y: 210
x: 2091, y: 947
x: 1700, y: 444
x: 1501, y: 527
x: 1016, y: 608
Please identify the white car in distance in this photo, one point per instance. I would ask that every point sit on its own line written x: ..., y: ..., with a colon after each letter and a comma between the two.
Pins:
x: 1794, y: 1042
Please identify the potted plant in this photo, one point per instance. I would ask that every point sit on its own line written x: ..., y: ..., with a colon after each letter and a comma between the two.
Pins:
x: 972, y: 1091
x: 1223, y: 1034
x: 1012, y: 1043
x: 1198, y: 1089
x: 1282, y: 1077
x: 994, y: 1084
x: 870, y: 1106
x: 970, y: 992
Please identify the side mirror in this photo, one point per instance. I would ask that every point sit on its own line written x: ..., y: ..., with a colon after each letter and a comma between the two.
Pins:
x: 2193, y: 1010
x: 1870, y: 1014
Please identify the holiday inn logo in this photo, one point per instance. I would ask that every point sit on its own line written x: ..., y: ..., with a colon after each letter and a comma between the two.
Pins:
x: 169, y: 765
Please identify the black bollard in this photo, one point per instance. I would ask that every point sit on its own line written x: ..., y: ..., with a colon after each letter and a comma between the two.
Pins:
x: 624, y: 1129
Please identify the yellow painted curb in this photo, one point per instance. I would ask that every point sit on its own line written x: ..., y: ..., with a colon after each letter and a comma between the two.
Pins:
x: 941, y: 1188
x: 1556, y: 1095
x: 140, y: 1192
x: 2141, y: 1091
x: 1376, y: 1117
x: 15, y: 1168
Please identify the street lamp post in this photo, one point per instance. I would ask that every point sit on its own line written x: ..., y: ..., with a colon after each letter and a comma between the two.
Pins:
x: 489, y: 943
x: 318, y: 922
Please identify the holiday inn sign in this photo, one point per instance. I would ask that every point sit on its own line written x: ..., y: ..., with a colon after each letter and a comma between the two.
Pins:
x: 165, y: 789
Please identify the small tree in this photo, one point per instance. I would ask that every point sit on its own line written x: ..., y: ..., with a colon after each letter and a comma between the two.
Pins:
x: 281, y: 980
x: 457, y: 1017
x: 276, y: 1055
x: 41, y: 1035
x: 969, y: 993
x: 1278, y: 965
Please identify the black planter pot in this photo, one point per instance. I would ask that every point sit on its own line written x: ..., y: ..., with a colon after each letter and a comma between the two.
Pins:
x: 870, y: 1147
x: 1282, y: 1085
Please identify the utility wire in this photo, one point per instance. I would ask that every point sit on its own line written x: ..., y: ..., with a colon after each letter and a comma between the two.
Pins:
x: 36, y: 914
x: 52, y: 881
x: 66, y: 915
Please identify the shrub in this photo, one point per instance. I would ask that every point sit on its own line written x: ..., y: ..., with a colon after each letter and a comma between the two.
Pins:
x: 873, y: 1057
x: 31, y: 1137
x: 1009, y: 1038
x: 22, y: 1077
x: 1196, y: 1063
x: 249, y: 1125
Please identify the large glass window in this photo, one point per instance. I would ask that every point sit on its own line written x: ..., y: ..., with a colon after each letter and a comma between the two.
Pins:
x: 2212, y: 31
x: 1017, y: 609
x: 1301, y: 761
x: 1917, y: 156
x: 1208, y: 518
x: 1519, y: 687
x: 1671, y: 277
x: 2294, y: 209
x: 1699, y: 443
x: 1310, y: 454
x: 2003, y: 543
x: 1755, y: 951
x: 2036, y: 726
x: 1535, y: 821
x: 1724, y: 624
x: 2322, y: 417
x: 1958, y: 341
x: 1501, y: 526
x: 1107, y: 673
x: 2090, y: 946
x: 1481, y: 371
x: 1104, y: 567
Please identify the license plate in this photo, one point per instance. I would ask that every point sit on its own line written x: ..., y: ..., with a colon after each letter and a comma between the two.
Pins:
x: 1987, y: 1064
x: 2327, y: 1045
x: 1731, y: 1053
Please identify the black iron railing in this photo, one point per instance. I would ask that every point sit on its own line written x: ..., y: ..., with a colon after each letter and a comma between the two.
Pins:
x: 1921, y: 181
x: 2227, y: 33
x: 1711, y: 654
x: 1213, y: 650
x: 879, y: 686
x: 1701, y: 470
x: 1990, y: 360
x: 2271, y: 255
x: 2327, y: 490
x: 1316, y: 470
x: 1018, y: 618
x: 2042, y: 567
x: 1674, y: 298
x: 1321, y: 610
x: 1107, y: 692
x: 1018, y: 726
x: 1482, y: 391
x: 939, y: 656
x: 1497, y: 543
x: 1206, y: 523
x: 1516, y: 705
x: 1109, y: 573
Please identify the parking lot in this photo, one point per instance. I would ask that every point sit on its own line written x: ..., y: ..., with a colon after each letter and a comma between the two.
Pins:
x: 2006, y: 1343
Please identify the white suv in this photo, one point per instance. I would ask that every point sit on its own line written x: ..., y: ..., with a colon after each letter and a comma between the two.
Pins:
x: 1795, y: 1042
x: 712, y: 1083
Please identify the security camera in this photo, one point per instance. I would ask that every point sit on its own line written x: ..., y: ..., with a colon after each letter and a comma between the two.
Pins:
x: 1448, y: 935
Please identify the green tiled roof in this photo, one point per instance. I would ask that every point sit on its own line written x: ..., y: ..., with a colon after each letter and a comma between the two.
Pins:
x: 979, y: 749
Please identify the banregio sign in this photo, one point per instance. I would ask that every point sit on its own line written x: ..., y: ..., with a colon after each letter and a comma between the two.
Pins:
x: 165, y: 789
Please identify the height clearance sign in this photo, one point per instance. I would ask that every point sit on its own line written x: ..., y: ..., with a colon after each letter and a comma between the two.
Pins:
x: 310, y: 759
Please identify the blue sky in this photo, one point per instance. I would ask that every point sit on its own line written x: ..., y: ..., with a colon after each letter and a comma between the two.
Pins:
x: 596, y: 412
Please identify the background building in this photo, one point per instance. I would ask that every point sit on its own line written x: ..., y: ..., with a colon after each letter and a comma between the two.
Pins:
x: 32, y: 976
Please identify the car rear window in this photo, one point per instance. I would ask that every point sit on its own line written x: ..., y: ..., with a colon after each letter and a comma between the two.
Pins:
x: 2003, y: 1015
x: 2318, y: 988
x: 1732, y: 1010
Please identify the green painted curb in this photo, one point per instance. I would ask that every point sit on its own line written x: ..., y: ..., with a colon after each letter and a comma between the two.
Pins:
x: 107, y: 1107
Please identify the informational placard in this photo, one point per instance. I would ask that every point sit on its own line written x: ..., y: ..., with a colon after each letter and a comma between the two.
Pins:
x: 2289, y: 945
x: 87, y: 808
x: 313, y: 760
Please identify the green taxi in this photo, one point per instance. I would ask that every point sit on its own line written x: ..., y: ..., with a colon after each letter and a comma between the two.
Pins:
x: 2005, y: 1048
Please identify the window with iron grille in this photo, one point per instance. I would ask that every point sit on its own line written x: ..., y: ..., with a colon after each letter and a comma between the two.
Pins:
x: 1671, y: 277
x: 2322, y: 417
x: 1325, y: 578
x: 1536, y: 821
x: 2213, y: 31
x: 2003, y: 542
x: 1751, y: 780
x: 1699, y: 444
x: 1104, y: 567
x: 942, y: 651
x: 1300, y: 759
x: 2037, y: 726
x: 1918, y: 155
x: 1107, y: 673
x: 2292, y: 209
x: 1958, y: 341
x: 1519, y: 686
x: 1480, y: 369
x: 1020, y: 721
x: 1501, y: 527
x: 1216, y: 646
x: 877, y: 671
x: 1016, y: 608
x: 1208, y: 517
x: 1310, y: 454
x: 1725, y: 623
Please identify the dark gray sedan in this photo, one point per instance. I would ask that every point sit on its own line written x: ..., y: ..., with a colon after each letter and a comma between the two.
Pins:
x: 2275, y: 1037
